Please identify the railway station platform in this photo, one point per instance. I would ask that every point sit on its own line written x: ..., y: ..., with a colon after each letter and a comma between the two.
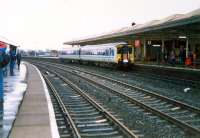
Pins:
x: 35, y: 118
x: 182, y: 73
x: 168, y: 67
x: 14, y: 88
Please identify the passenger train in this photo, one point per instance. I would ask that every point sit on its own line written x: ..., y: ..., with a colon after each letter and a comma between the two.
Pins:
x: 120, y: 54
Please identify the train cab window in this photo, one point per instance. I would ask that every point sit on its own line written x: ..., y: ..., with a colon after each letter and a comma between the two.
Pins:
x: 119, y: 51
x: 125, y: 49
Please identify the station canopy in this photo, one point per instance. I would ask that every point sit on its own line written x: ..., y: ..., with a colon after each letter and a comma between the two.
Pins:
x: 7, y: 42
x: 171, y: 27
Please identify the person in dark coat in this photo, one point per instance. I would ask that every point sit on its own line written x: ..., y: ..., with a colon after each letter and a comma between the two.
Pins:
x: 19, y: 57
x: 12, y: 61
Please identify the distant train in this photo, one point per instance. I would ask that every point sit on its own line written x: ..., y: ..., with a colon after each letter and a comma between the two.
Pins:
x: 120, y: 54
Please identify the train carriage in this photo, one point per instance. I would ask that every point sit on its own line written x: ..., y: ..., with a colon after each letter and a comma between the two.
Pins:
x: 69, y: 53
x: 120, y: 54
x: 103, y: 53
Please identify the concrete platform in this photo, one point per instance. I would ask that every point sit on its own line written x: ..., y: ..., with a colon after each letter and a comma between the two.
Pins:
x: 14, y: 89
x: 175, y: 67
x: 35, y: 118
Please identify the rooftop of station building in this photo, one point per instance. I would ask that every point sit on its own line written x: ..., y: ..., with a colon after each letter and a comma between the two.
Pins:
x: 170, y: 27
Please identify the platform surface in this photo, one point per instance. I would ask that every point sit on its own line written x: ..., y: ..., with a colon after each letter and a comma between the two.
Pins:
x: 33, y: 119
x: 175, y: 67
x: 14, y: 88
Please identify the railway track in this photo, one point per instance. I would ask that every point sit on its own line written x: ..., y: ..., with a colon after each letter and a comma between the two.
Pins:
x: 169, y: 79
x: 79, y: 112
x: 62, y: 119
x: 182, y: 115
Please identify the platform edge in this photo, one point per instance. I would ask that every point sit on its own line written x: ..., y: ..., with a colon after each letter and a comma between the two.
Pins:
x: 53, y: 124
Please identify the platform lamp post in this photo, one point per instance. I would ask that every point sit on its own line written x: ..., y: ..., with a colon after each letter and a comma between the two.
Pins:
x: 3, y: 47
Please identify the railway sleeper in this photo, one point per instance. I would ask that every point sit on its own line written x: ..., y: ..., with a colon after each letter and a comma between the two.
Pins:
x: 180, y: 113
x: 167, y: 106
x: 86, y: 114
x: 88, y: 118
x: 99, y: 129
x: 147, y: 100
x: 151, y: 103
x: 82, y: 111
x: 65, y: 136
x: 94, y: 125
x: 114, y: 134
x: 81, y: 108
x: 77, y: 105
x: 60, y: 119
x: 90, y: 121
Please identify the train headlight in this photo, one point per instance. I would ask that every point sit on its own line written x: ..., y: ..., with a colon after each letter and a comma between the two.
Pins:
x: 125, y: 61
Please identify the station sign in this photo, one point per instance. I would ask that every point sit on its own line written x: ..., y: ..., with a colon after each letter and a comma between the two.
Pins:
x: 3, y: 46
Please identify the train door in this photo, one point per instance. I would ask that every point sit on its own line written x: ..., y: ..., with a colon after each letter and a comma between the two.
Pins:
x: 125, y: 54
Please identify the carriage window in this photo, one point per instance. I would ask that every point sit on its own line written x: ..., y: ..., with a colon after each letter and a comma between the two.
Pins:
x: 112, y: 52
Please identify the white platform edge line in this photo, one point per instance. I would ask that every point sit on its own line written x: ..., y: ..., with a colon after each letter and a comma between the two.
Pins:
x: 53, y: 124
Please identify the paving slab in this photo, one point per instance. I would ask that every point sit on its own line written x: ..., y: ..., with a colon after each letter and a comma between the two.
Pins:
x: 30, y: 132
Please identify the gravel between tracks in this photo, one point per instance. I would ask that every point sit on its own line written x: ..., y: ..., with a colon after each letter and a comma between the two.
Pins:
x: 171, y: 90
x: 134, y: 118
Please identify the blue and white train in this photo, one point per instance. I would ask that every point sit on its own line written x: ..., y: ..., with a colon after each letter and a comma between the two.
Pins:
x: 111, y: 53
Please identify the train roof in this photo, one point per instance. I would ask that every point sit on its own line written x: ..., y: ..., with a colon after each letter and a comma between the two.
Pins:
x: 67, y: 48
x: 105, y: 45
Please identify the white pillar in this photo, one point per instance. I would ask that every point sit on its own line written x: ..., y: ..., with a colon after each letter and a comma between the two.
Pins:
x: 163, y: 46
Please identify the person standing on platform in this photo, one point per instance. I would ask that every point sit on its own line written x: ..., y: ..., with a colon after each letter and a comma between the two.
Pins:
x: 3, y: 62
x: 173, y: 57
x: 181, y: 55
x: 19, y: 56
x: 12, y: 61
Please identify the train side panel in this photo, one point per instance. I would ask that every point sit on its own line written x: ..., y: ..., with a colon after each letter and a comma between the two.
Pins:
x: 69, y: 53
x: 113, y: 53
x: 99, y: 54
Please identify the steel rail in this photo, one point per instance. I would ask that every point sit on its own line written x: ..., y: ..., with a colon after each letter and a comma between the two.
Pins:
x: 65, y: 111
x: 181, y: 124
x: 121, y: 127
x: 172, y: 101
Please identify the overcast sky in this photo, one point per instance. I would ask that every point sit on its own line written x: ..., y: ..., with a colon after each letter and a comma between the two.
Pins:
x: 42, y: 24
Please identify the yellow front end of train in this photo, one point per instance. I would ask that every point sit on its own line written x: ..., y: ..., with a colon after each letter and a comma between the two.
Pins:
x: 125, y: 55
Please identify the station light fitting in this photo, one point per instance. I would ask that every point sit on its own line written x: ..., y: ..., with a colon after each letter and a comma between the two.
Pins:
x: 156, y: 45
x: 182, y: 37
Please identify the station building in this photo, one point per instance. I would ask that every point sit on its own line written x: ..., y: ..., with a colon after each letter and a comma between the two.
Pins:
x: 172, y: 40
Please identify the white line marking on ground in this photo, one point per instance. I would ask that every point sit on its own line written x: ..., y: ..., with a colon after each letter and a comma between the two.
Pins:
x: 54, y: 128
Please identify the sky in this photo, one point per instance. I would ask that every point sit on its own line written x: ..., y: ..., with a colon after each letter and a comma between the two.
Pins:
x: 46, y: 24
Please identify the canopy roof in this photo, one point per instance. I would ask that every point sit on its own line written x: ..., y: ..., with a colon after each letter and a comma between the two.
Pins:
x: 8, y: 42
x: 169, y: 27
